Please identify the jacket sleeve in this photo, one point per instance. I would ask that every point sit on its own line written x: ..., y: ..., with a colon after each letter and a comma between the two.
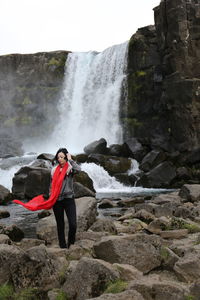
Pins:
x: 75, y: 167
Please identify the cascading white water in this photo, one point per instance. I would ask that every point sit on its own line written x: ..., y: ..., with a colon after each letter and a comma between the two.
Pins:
x: 89, y: 108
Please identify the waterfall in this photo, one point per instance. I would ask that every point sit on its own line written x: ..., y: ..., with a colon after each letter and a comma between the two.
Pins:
x: 89, y: 107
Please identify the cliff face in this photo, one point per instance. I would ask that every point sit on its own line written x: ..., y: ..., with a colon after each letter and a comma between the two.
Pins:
x: 29, y: 89
x: 163, y: 106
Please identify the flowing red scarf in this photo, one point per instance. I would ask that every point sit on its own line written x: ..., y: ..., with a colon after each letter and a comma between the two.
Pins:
x: 38, y: 202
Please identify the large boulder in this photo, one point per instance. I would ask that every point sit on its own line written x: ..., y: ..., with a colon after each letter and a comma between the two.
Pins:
x: 83, y: 178
x: 135, y: 149
x: 25, y: 269
x: 5, y: 195
x: 112, y: 164
x: 96, y: 273
x: 113, y: 248
x: 96, y: 147
x: 190, y: 192
x: 152, y: 159
x: 29, y: 182
x: 86, y: 216
x: 159, y: 177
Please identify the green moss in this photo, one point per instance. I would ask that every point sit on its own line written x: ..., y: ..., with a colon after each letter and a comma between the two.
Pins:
x: 59, y: 62
x: 177, y: 223
x: 26, y: 101
x: 26, y: 120
x: 6, y: 292
x: 10, y: 122
x: 190, y: 297
x: 164, y: 253
x: 62, y: 296
x: 27, y: 294
x: 116, y: 286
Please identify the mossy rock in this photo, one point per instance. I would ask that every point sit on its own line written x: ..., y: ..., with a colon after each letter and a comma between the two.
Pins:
x: 85, y: 180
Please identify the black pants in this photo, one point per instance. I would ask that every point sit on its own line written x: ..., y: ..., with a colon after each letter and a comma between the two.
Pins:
x: 68, y: 205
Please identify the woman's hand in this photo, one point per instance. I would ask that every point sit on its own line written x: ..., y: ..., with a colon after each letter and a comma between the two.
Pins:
x: 69, y: 156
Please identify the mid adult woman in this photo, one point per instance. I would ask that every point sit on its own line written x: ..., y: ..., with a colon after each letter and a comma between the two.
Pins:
x: 61, y: 196
x: 65, y: 201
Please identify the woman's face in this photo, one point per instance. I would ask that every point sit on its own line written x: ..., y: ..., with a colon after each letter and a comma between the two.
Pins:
x: 61, y: 158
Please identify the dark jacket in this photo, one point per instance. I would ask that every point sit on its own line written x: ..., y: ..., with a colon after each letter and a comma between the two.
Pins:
x: 67, y: 190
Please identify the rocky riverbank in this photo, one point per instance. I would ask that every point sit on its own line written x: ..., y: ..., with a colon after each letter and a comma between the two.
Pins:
x: 150, y: 251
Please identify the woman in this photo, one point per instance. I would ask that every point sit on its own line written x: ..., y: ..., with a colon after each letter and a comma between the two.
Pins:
x: 61, y: 196
x: 65, y: 201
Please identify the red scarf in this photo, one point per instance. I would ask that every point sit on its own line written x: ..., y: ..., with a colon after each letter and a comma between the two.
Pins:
x: 38, y: 202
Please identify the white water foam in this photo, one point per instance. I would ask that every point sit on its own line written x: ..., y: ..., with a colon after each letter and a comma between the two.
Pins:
x: 89, y: 107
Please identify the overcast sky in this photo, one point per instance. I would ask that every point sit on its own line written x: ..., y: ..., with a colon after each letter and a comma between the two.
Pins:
x: 29, y: 26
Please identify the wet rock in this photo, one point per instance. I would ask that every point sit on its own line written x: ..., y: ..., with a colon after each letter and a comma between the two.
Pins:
x: 46, y: 156
x: 83, y: 178
x: 159, y: 177
x: 106, y: 203
x: 99, y: 146
x: 29, y: 182
x: 14, y: 233
x: 5, y: 195
x: 152, y: 159
x: 135, y: 149
x: 4, y: 214
x: 81, y: 191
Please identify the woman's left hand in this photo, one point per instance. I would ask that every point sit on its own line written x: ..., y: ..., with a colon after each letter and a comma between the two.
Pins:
x: 69, y: 156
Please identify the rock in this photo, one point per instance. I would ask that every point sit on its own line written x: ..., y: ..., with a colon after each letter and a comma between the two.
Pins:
x: 131, y: 201
x: 112, y: 249
x: 128, y: 295
x: 144, y: 216
x: 174, y: 234
x: 118, y: 150
x: 14, y: 233
x: 4, y: 214
x: 96, y: 147
x: 158, y: 224
x: 135, y: 149
x: 5, y: 195
x: 188, y: 267
x: 190, y: 192
x: 159, y: 177
x: 41, y: 163
x: 81, y: 158
x: 83, y: 178
x: 102, y: 225
x: 29, y: 182
x: 169, y: 258
x: 82, y: 191
x: 86, y: 216
x: 4, y: 239
x: 128, y: 272
x: 154, y: 289
x: 96, y: 273
x: 166, y: 198
x: 195, y: 289
x: 152, y: 159
x: 46, y: 156
x: 33, y: 268
x: 27, y: 243
x: 112, y: 164
x: 106, y: 203
x: 44, y: 214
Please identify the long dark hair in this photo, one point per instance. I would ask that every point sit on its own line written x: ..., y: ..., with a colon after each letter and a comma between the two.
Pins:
x: 55, y: 159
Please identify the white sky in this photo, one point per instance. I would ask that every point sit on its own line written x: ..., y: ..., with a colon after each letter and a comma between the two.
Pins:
x: 29, y: 26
